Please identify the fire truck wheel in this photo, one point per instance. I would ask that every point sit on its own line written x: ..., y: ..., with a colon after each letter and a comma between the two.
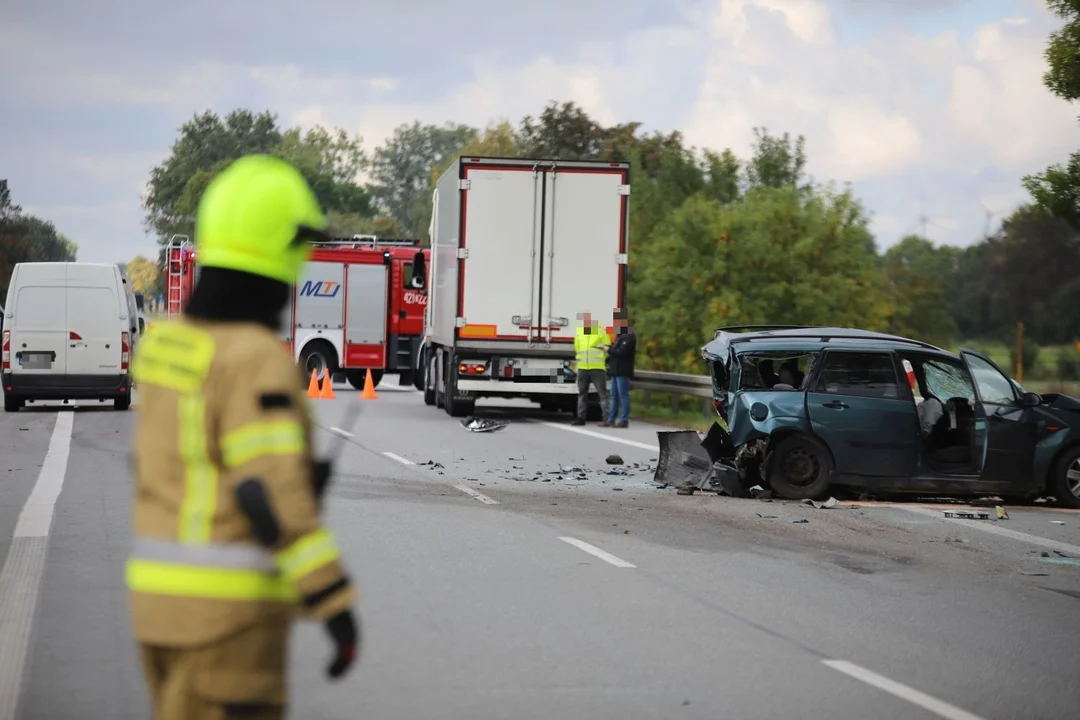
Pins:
x: 357, y: 378
x: 320, y: 357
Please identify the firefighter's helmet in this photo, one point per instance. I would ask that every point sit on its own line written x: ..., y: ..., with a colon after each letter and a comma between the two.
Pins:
x: 258, y: 216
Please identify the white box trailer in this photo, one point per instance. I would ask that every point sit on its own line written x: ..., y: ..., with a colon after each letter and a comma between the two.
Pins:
x: 520, y: 248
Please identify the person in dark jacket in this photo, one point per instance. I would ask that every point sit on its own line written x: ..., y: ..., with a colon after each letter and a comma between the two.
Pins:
x: 621, y: 369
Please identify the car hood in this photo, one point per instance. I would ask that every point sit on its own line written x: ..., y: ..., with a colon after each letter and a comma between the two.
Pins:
x: 1061, y: 402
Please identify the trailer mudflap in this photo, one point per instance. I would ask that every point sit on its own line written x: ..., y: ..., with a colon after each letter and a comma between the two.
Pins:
x: 688, y: 462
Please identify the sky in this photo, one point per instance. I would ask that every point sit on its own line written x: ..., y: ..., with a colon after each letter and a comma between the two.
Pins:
x: 931, y: 109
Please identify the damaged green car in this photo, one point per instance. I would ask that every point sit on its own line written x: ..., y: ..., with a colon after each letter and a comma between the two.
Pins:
x: 805, y: 409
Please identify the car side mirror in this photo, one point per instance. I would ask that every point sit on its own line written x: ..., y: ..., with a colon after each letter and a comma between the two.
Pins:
x: 419, y: 269
x: 1030, y: 399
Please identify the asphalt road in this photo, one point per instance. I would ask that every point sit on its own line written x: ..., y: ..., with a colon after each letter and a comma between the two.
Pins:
x: 516, y: 574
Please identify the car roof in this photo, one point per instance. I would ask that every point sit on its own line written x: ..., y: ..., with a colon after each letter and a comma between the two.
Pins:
x: 778, y: 338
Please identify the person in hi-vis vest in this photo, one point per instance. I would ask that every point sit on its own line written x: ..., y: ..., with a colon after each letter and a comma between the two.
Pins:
x: 590, y: 349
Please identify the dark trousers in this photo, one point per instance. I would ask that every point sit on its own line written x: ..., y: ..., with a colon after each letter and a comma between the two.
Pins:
x: 597, y: 378
x: 620, y: 399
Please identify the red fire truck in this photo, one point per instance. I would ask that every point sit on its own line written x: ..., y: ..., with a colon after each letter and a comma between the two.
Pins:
x: 355, y: 305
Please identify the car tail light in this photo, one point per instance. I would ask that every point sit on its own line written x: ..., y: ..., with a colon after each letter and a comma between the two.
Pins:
x: 6, y: 364
x: 125, y: 350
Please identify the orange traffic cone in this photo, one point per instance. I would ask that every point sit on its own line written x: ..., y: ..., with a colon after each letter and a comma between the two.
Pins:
x: 369, y: 388
x: 313, y: 386
x: 327, y: 387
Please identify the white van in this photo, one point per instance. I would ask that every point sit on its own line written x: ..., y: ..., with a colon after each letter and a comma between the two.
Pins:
x: 134, y: 317
x: 67, y: 335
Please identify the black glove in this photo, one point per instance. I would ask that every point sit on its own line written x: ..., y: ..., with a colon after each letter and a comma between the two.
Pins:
x: 321, y: 477
x: 345, y: 631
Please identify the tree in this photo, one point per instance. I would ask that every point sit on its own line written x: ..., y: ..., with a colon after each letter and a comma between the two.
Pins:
x: 917, y: 272
x: 562, y: 132
x: 402, y: 167
x: 145, y: 274
x: 1057, y: 189
x: 776, y: 162
x: 25, y: 238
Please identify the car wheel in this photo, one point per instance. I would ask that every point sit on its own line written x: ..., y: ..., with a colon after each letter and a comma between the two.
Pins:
x: 799, y: 468
x: 122, y: 402
x: 1065, y: 484
x: 11, y: 404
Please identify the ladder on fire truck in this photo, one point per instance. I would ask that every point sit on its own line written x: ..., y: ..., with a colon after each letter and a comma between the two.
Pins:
x: 176, y: 256
x: 358, y: 242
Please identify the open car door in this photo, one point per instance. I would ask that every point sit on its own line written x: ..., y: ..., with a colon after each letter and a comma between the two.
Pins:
x: 1003, y: 446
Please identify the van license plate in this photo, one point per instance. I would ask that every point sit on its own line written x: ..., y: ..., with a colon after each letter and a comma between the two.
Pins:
x: 36, y: 361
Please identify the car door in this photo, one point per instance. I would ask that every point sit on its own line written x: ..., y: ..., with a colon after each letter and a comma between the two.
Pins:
x: 860, y: 409
x: 1004, y: 442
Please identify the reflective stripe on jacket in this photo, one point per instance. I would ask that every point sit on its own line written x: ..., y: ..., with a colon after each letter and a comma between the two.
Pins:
x: 220, y: 404
x: 586, y: 347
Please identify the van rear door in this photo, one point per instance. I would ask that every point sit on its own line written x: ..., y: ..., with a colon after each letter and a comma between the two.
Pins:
x: 94, y: 325
x: 39, y: 330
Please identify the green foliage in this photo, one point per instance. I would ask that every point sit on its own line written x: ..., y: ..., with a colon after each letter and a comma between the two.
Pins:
x: 26, y: 238
x: 1031, y: 356
x: 1068, y: 363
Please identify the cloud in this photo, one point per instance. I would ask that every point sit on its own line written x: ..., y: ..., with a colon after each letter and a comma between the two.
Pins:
x: 937, y: 109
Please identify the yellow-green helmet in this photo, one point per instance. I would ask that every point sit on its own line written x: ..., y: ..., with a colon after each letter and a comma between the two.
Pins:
x: 257, y: 216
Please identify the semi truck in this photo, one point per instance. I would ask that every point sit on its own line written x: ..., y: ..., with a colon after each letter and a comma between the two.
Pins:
x: 521, y: 249
x: 357, y: 305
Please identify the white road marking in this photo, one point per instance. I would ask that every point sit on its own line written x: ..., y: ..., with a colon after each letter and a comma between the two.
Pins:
x: 988, y: 526
x: 342, y: 433
x: 597, y: 552
x: 602, y: 436
x: 398, y: 458
x: 36, y: 517
x: 913, y: 696
x: 20, y: 578
x: 478, y: 495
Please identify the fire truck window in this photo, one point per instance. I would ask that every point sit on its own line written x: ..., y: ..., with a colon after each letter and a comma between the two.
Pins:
x: 407, y: 273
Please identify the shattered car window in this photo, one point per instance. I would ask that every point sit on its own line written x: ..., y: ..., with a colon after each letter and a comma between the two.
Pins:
x: 946, y: 380
x: 765, y: 371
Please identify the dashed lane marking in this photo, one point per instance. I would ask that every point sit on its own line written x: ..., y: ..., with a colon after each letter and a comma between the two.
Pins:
x: 597, y: 552
x: 602, y: 436
x: 987, y: 527
x: 398, y: 458
x: 476, y: 494
x: 911, y: 695
x: 20, y: 578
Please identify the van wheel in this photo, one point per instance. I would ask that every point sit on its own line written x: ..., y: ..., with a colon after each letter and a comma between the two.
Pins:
x: 12, y: 404
x: 799, y: 468
x: 123, y: 402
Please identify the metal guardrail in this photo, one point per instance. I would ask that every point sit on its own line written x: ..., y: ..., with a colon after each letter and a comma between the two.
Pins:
x: 665, y: 382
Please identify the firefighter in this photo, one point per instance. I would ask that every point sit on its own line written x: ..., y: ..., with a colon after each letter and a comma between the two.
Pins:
x: 229, y: 547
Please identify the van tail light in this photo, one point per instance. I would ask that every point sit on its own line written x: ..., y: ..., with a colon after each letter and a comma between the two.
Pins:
x: 125, y: 350
x: 6, y: 363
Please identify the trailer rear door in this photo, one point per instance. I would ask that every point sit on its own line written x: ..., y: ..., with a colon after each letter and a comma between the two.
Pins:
x: 584, y: 248
x: 502, y: 208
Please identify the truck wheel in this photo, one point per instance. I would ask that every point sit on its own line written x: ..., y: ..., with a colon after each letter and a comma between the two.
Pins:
x: 319, y: 356
x: 594, y: 413
x: 800, y: 468
x: 1065, y: 482
x: 429, y: 380
x: 357, y: 378
x: 456, y: 408
x: 12, y: 404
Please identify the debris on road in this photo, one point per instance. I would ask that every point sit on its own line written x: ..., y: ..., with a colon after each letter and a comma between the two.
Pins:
x: 799, y: 521
x: 613, y: 460
x: 830, y: 503
x: 1002, y: 513
x: 760, y: 493
x: 475, y: 424
x: 966, y: 514
x: 1058, y: 522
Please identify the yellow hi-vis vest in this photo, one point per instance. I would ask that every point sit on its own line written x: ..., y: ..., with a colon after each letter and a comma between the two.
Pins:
x: 587, y: 348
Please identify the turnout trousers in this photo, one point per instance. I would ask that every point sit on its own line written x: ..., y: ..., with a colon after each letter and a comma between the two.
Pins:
x: 240, y: 676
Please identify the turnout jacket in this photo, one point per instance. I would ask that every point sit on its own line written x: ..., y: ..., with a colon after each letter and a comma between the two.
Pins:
x: 220, y: 403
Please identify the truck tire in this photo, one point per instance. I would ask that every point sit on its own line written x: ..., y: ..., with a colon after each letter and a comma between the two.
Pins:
x: 357, y: 378
x: 320, y: 356
x: 429, y: 379
x: 455, y: 408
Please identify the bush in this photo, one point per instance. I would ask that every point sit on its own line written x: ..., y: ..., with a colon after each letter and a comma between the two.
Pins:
x: 1068, y: 364
x: 1031, y: 357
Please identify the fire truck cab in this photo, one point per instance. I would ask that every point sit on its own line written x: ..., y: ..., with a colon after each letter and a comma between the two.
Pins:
x: 357, y: 305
